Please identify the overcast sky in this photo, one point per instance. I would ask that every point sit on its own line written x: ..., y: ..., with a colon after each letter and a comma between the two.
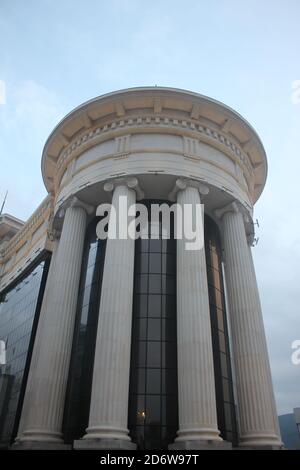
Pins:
x: 56, y: 54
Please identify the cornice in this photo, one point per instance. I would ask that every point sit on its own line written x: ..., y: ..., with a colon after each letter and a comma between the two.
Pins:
x: 149, y: 110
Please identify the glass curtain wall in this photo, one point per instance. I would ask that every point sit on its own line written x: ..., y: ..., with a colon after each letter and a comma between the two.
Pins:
x: 153, y: 409
x: 221, y: 352
x: 19, y: 311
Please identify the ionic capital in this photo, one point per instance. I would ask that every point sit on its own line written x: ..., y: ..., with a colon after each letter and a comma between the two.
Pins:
x: 131, y: 183
x: 183, y: 183
x: 233, y: 207
x: 74, y: 201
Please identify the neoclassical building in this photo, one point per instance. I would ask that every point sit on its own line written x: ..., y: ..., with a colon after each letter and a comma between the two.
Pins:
x: 138, y: 344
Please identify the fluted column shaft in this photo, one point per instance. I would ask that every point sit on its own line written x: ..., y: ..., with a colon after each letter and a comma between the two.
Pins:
x: 258, y: 424
x: 196, y: 385
x: 110, y: 388
x: 45, y: 393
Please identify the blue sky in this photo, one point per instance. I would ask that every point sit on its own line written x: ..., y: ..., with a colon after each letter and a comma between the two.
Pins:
x: 57, y: 54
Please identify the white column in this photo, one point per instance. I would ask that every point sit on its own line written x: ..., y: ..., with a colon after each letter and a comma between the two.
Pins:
x: 110, y: 389
x: 196, y: 385
x: 42, y: 414
x: 258, y: 424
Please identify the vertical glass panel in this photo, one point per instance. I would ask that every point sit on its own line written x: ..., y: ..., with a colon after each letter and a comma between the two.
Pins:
x: 142, y: 328
x: 220, y: 341
x: 155, y: 263
x: 154, y: 284
x: 154, y: 329
x: 142, y: 283
x: 155, y: 246
x: 19, y: 312
x: 161, y: 418
x: 141, y: 305
x: 222, y: 344
x: 153, y: 354
x: 169, y: 305
x: 141, y: 353
x: 226, y: 392
x: 153, y: 414
x: 142, y: 263
x: 154, y: 305
x: 153, y: 382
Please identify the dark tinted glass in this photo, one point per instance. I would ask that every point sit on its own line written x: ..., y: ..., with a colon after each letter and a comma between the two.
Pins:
x: 19, y: 312
x: 221, y: 352
x: 153, y: 409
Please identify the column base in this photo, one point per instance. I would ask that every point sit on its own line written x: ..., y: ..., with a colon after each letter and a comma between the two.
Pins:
x: 260, y: 447
x: 200, y: 445
x: 40, y: 445
x: 264, y: 442
x: 103, y: 443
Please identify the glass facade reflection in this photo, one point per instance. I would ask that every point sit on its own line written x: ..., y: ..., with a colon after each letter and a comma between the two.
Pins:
x: 153, y: 409
x: 19, y: 312
x: 81, y: 369
x: 221, y: 352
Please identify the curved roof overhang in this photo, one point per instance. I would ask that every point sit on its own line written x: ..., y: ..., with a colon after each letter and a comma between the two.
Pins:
x: 117, y: 104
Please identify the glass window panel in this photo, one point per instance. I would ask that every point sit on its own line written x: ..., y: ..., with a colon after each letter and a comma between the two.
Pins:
x: 154, y: 329
x: 142, y: 263
x: 153, y: 354
x: 217, y: 280
x: 210, y: 277
x: 141, y: 305
x: 152, y: 410
x: 143, y: 245
x: 220, y: 319
x: 153, y: 382
x: 169, y: 264
x: 224, y: 366
x: 169, y: 382
x: 138, y: 434
x: 222, y: 345
x: 168, y: 284
x: 155, y: 263
x: 142, y: 283
x: 228, y: 416
x: 165, y: 246
x: 226, y: 392
x: 218, y: 299
x: 169, y: 356
x: 141, y: 385
x: 139, y: 353
x: 89, y: 275
x: 154, y: 305
x: 214, y: 258
x: 142, y: 329
x: 154, y: 283
x: 154, y: 246
x: 168, y: 329
x: 169, y: 408
x: 141, y: 409
x: 168, y: 306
